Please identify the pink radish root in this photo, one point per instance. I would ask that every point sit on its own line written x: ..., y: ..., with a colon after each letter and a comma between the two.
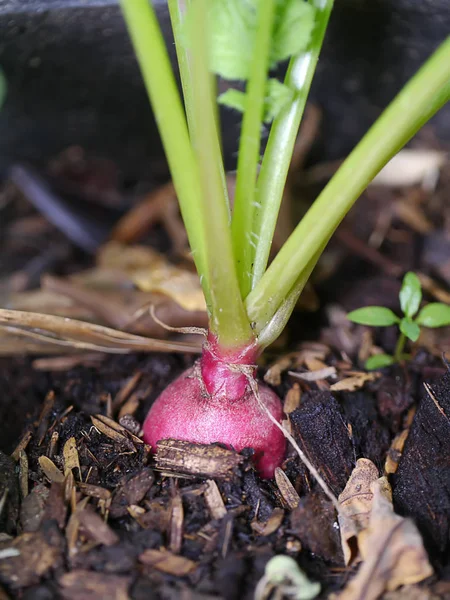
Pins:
x: 213, y: 402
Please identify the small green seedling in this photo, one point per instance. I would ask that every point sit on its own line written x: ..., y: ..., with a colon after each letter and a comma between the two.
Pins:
x: 435, y: 314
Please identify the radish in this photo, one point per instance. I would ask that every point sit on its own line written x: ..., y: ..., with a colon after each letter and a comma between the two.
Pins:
x: 249, y: 302
x: 214, y: 402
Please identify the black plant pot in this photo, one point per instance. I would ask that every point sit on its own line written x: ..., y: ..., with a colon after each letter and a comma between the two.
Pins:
x: 72, y: 78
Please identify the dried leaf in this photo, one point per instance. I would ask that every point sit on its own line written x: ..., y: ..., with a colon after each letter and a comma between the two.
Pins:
x: 151, y: 272
x: 355, y: 382
x: 392, y: 550
x: 165, y: 561
x: 356, y: 506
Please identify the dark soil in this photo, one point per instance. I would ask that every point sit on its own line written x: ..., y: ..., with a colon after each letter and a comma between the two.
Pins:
x: 90, y: 514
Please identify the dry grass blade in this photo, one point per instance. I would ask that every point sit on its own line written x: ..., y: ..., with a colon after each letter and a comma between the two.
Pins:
x: 44, y: 332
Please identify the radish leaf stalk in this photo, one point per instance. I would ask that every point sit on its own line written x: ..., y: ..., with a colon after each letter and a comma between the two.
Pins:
x: 219, y: 399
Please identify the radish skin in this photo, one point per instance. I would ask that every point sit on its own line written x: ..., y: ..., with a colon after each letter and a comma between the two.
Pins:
x: 213, y: 402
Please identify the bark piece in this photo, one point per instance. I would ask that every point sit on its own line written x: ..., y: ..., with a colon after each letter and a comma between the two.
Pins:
x: 88, y: 585
x: 321, y: 432
x: 131, y: 491
x: 200, y: 460
x: 95, y: 528
x: 32, y: 556
x: 165, y: 561
x: 9, y: 493
x: 313, y: 522
x: 33, y: 508
x: 422, y: 482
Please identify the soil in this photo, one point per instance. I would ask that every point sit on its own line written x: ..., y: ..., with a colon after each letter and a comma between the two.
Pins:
x: 88, y: 513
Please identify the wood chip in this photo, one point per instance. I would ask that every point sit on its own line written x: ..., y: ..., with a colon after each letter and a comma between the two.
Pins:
x: 271, y: 525
x: 176, y: 524
x: 292, y: 399
x: 214, y: 501
x: 94, y: 491
x: 287, y: 490
x: 180, y: 457
x: 35, y: 555
x: 131, y: 491
x: 71, y: 459
x: 50, y: 470
x: 165, y: 561
x: 89, y: 585
x: 95, y: 528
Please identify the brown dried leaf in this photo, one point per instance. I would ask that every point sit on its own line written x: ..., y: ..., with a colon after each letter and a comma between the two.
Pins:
x: 151, y: 272
x: 392, y: 550
x: 355, y: 382
x: 28, y: 332
x: 356, y: 506
x: 165, y: 561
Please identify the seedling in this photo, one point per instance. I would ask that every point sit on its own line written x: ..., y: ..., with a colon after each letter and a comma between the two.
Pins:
x: 220, y: 399
x: 435, y: 314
